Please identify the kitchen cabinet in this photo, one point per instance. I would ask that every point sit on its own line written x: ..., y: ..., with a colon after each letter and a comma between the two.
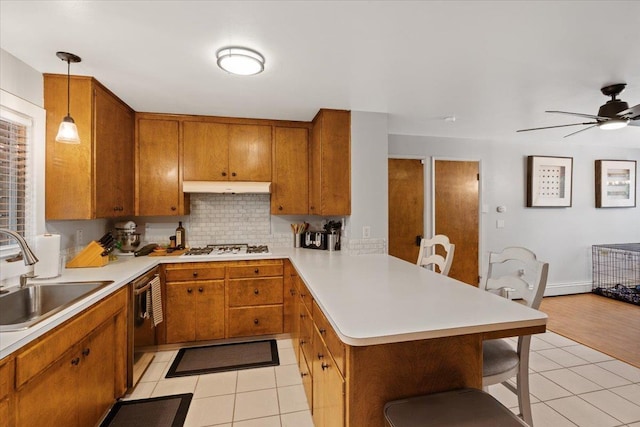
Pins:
x: 290, y: 296
x: 290, y: 186
x: 7, y: 374
x: 72, y: 375
x: 330, y: 163
x: 195, y: 302
x: 255, y: 298
x: 95, y: 178
x: 158, y: 180
x: 328, y: 387
x: 226, y: 151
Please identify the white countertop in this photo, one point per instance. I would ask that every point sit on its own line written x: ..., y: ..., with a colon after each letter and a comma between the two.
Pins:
x: 368, y: 299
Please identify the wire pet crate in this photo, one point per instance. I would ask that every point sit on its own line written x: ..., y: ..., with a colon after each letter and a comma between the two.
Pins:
x: 616, y: 271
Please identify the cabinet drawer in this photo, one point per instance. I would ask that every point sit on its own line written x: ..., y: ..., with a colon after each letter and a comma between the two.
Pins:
x: 255, y: 291
x: 305, y: 295
x: 258, y: 320
x: 7, y: 375
x: 334, y: 345
x: 307, y: 379
x: 195, y: 271
x: 255, y: 270
x: 306, y: 333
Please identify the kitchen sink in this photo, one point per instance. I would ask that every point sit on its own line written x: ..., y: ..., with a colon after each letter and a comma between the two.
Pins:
x: 24, y: 307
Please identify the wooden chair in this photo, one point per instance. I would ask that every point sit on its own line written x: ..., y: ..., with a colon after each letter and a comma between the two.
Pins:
x: 521, y: 273
x: 430, y: 257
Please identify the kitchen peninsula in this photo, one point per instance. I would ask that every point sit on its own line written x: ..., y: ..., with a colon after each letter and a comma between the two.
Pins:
x: 391, y: 328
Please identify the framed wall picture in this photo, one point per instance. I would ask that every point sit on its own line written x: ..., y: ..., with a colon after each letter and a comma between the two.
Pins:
x: 615, y: 183
x: 549, y: 181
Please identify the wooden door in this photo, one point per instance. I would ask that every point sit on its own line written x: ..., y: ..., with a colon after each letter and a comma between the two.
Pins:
x: 209, y: 309
x: 290, y: 192
x: 406, y: 207
x: 114, y: 154
x: 158, y: 191
x: 96, y: 382
x: 181, y: 312
x: 456, y: 207
x: 206, y: 151
x: 249, y: 153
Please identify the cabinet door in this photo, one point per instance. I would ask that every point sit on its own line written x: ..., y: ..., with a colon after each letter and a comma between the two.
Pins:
x: 210, y: 310
x: 114, y: 154
x: 96, y: 381
x: 206, y: 151
x: 290, y: 189
x: 181, y: 312
x: 328, y: 388
x: 249, y: 153
x: 315, y: 170
x: 50, y: 398
x: 158, y: 184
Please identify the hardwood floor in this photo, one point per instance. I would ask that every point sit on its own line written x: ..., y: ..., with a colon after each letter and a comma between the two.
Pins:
x: 604, y: 324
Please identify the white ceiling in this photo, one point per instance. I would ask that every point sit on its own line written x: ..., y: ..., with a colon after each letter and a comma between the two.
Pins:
x: 494, y: 65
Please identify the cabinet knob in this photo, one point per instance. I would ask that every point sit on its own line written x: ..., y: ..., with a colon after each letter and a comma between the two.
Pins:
x: 257, y: 271
x: 322, y: 331
x: 256, y: 321
x: 292, y: 292
x: 302, y: 342
x: 256, y: 291
x: 189, y: 290
x: 302, y: 316
x: 312, y: 208
x: 200, y: 290
x: 195, y: 274
x: 173, y: 208
x: 224, y: 174
x: 233, y: 174
x: 324, y: 366
x: 86, y: 351
x: 303, y: 374
x: 115, y: 208
x: 320, y: 356
x: 280, y: 207
x: 75, y: 361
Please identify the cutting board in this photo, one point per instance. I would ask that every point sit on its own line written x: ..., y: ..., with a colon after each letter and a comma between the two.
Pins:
x: 174, y: 253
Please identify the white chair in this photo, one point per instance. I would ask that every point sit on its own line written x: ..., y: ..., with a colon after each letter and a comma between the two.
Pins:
x: 428, y: 255
x: 524, y: 275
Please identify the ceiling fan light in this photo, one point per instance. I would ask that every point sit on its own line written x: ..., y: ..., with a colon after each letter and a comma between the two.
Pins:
x: 240, y: 61
x: 68, y: 132
x: 614, y: 124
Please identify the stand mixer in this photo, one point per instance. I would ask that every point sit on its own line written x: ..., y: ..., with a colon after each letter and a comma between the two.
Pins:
x: 127, y: 240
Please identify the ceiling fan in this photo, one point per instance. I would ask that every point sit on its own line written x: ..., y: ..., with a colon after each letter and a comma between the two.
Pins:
x: 615, y: 114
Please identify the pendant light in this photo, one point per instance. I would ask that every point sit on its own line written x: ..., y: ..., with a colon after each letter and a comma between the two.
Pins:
x: 68, y: 131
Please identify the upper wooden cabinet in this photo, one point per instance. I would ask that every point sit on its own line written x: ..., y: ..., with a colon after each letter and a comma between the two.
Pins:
x: 226, y: 152
x: 95, y: 178
x: 330, y: 163
x: 290, y: 187
x: 158, y: 183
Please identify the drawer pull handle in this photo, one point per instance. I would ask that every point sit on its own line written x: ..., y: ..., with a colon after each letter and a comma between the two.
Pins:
x: 189, y: 290
x: 320, y: 356
x: 86, y: 351
x: 256, y: 291
x: 257, y: 271
x: 200, y: 290
x: 256, y: 321
x: 322, y: 331
x: 195, y: 274
x: 324, y: 366
x: 75, y: 361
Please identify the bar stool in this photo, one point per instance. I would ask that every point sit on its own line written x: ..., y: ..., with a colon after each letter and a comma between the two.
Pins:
x: 466, y: 407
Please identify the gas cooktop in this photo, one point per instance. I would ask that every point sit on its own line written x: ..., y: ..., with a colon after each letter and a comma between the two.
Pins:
x: 228, y: 249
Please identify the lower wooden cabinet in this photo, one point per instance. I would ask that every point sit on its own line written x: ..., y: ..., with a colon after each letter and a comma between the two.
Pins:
x: 72, y: 375
x: 195, y: 310
x: 328, y: 387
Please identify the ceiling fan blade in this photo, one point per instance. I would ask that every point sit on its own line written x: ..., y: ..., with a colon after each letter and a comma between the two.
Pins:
x: 632, y: 113
x: 558, y: 126
x: 634, y: 122
x: 588, y: 116
x: 581, y: 130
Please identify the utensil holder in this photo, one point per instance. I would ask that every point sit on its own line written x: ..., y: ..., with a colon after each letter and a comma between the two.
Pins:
x: 297, y: 239
x: 90, y: 256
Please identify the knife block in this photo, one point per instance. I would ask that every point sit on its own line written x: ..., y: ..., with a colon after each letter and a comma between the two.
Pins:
x: 91, y: 256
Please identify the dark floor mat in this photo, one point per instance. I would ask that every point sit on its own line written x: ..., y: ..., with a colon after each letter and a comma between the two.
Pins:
x: 224, y: 357
x: 165, y: 411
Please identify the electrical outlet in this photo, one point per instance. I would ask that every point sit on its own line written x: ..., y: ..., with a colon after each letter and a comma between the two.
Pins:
x: 79, y: 237
x: 366, y: 232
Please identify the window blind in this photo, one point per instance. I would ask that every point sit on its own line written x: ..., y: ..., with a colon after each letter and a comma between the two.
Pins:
x: 14, y: 176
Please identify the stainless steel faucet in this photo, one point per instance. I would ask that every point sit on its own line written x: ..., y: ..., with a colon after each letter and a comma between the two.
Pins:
x: 28, y: 256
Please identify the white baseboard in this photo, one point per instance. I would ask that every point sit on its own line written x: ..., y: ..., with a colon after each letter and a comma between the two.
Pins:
x: 555, y: 289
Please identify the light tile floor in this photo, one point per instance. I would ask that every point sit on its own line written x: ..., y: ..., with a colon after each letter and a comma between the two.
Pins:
x: 571, y: 385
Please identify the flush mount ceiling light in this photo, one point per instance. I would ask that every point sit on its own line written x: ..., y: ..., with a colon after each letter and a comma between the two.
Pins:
x: 240, y: 61
x: 68, y: 132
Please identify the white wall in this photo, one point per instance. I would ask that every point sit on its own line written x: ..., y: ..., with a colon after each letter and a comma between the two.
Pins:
x: 562, y: 236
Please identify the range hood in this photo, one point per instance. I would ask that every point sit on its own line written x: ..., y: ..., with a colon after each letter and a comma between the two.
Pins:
x: 229, y: 187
